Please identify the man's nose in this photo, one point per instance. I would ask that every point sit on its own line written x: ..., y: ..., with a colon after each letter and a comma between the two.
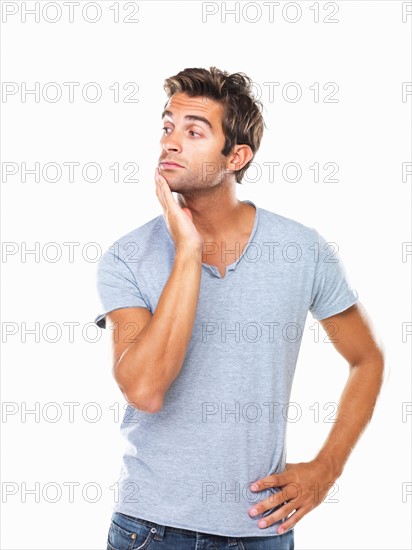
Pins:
x: 171, y: 143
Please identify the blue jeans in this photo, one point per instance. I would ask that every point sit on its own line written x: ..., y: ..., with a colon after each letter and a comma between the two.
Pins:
x: 129, y: 533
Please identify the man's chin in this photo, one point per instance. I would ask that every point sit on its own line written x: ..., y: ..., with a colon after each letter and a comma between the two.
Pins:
x: 175, y: 183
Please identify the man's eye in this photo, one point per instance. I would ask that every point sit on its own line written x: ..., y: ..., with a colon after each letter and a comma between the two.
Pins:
x: 165, y: 128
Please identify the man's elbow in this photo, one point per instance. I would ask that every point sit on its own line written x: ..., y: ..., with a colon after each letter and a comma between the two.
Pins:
x: 382, y: 367
x: 139, y: 395
x: 379, y: 361
x: 377, y: 366
x: 144, y: 402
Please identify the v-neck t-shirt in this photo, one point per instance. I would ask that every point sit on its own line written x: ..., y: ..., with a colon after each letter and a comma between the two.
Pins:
x: 223, y: 423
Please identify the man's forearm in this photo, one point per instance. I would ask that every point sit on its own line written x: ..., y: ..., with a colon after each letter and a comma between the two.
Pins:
x: 356, y: 407
x: 149, y: 366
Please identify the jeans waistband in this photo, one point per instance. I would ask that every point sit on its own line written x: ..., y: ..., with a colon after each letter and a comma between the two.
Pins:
x: 160, y: 530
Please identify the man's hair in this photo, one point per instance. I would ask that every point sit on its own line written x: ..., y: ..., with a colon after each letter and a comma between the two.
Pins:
x: 242, y: 121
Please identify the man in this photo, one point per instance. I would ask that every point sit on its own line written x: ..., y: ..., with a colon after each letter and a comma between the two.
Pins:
x: 207, y: 303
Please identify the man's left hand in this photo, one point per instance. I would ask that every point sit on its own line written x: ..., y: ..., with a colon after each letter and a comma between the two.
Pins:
x: 304, y: 486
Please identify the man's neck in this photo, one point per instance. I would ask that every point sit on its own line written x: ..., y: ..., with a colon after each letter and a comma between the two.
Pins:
x: 217, y: 217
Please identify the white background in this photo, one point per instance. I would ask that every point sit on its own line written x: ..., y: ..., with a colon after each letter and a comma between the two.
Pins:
x: 366, y: 132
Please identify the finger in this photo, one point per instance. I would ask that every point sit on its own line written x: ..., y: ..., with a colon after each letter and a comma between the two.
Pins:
x: 274, y: 480
x: 161, y: 179
x: 281, y: 513
x: 291, y: 522
x: 159, y: 194
x: 275, y: 500
x: 159, y: 173
x: 188, y: 213
x: 160, y: 190
x: 165, y: 190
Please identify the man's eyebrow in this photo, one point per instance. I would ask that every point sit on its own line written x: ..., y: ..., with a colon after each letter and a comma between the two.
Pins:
x: 189, y: 117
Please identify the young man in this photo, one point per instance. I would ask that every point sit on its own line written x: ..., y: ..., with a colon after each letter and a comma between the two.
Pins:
x: 208, y: 302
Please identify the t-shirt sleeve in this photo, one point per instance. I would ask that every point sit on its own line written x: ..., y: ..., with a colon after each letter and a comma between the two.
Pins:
x: 332, y: 291
x: 116, y: 286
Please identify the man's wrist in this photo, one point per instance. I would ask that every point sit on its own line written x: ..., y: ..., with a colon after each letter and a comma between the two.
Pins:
x: 331, y: 463
x: 188, y: 255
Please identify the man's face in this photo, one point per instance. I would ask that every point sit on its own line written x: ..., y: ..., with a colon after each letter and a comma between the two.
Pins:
x: 193, y: 143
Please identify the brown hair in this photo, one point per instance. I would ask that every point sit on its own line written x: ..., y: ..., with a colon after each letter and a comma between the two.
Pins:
x: 242, y: 121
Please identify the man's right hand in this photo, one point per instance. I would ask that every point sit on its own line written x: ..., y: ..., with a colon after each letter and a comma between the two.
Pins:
x: 179, y: 220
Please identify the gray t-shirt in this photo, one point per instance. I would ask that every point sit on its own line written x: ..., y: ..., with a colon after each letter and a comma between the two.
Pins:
x: 224, y: 419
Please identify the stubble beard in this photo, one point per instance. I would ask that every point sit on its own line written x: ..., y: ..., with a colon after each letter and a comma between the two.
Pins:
x: 197, y: 183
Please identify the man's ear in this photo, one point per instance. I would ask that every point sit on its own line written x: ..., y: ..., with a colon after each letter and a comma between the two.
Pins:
x: 241, y: 155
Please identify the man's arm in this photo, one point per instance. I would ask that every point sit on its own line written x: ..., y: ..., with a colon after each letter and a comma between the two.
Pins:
x: 145, y: 369
x: 351, y: 334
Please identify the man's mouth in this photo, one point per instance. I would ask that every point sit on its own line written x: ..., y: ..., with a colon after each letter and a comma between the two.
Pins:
x: 170, y: 164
